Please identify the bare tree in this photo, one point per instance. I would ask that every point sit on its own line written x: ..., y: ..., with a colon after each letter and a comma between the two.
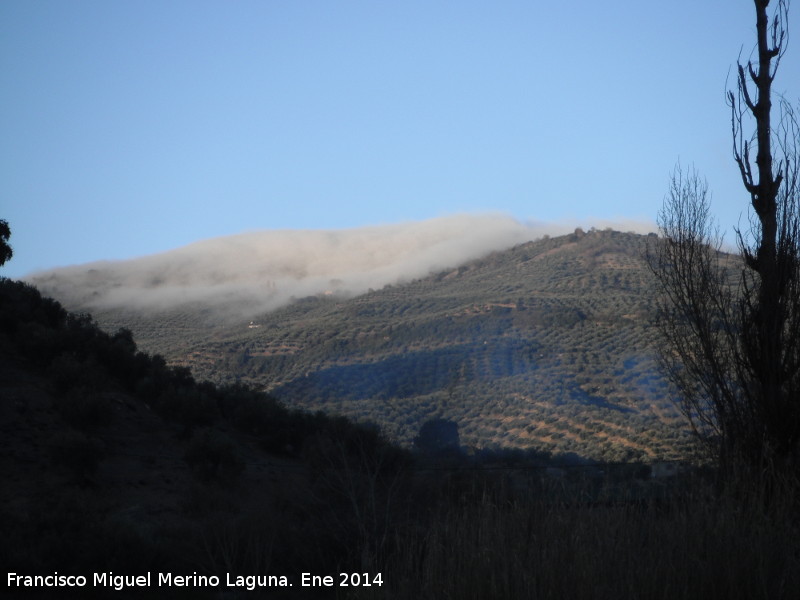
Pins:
x: 732, y: 324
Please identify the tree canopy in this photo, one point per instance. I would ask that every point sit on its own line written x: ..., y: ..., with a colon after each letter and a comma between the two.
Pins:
x: 5, y: 248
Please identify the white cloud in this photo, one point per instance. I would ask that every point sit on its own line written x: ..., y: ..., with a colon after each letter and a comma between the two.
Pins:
x: 257, y: 271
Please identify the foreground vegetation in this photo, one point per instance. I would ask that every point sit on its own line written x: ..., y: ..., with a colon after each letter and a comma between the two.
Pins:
x: 115, y: 461
x: 698, y: 546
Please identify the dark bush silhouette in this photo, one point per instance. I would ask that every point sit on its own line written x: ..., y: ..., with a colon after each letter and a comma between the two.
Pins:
x: 5, y: 248
x: 437, y: 437
x: 78, y: 453
x: 85, y: 409
x: 212, y: 456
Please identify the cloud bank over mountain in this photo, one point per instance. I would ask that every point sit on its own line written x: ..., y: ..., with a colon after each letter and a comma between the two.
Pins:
x: 249, y: 273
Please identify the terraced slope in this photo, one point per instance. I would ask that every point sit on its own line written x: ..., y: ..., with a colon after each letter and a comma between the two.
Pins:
x: 546, y: 345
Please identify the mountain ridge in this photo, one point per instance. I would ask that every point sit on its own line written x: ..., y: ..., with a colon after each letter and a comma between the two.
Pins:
x: 546, y: 345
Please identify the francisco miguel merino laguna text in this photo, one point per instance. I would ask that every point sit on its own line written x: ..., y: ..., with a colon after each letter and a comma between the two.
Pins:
x: 120, y: 582
x: 249, y: 582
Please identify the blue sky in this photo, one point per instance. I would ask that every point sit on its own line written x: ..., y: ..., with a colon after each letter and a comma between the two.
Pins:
x: 128, y: 128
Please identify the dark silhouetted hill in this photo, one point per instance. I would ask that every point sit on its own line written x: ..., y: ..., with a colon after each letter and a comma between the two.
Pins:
x: 113, y: 460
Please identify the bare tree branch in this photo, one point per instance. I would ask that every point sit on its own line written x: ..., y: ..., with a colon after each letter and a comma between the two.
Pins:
x: 732, y: 325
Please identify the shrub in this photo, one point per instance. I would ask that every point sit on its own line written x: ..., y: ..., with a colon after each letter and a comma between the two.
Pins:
x: 212, y: 456
x: 85, y: 410
x: 437, y: 437
x: 78, y: 453
x: 69, y: 372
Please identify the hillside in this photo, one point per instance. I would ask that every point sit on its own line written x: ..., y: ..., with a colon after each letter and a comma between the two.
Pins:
x: 114, y: 461
x: 546, y: 345
x: 117, y: 464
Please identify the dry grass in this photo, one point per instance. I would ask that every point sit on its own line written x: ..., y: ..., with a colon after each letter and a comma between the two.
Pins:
x: 703, y: 545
